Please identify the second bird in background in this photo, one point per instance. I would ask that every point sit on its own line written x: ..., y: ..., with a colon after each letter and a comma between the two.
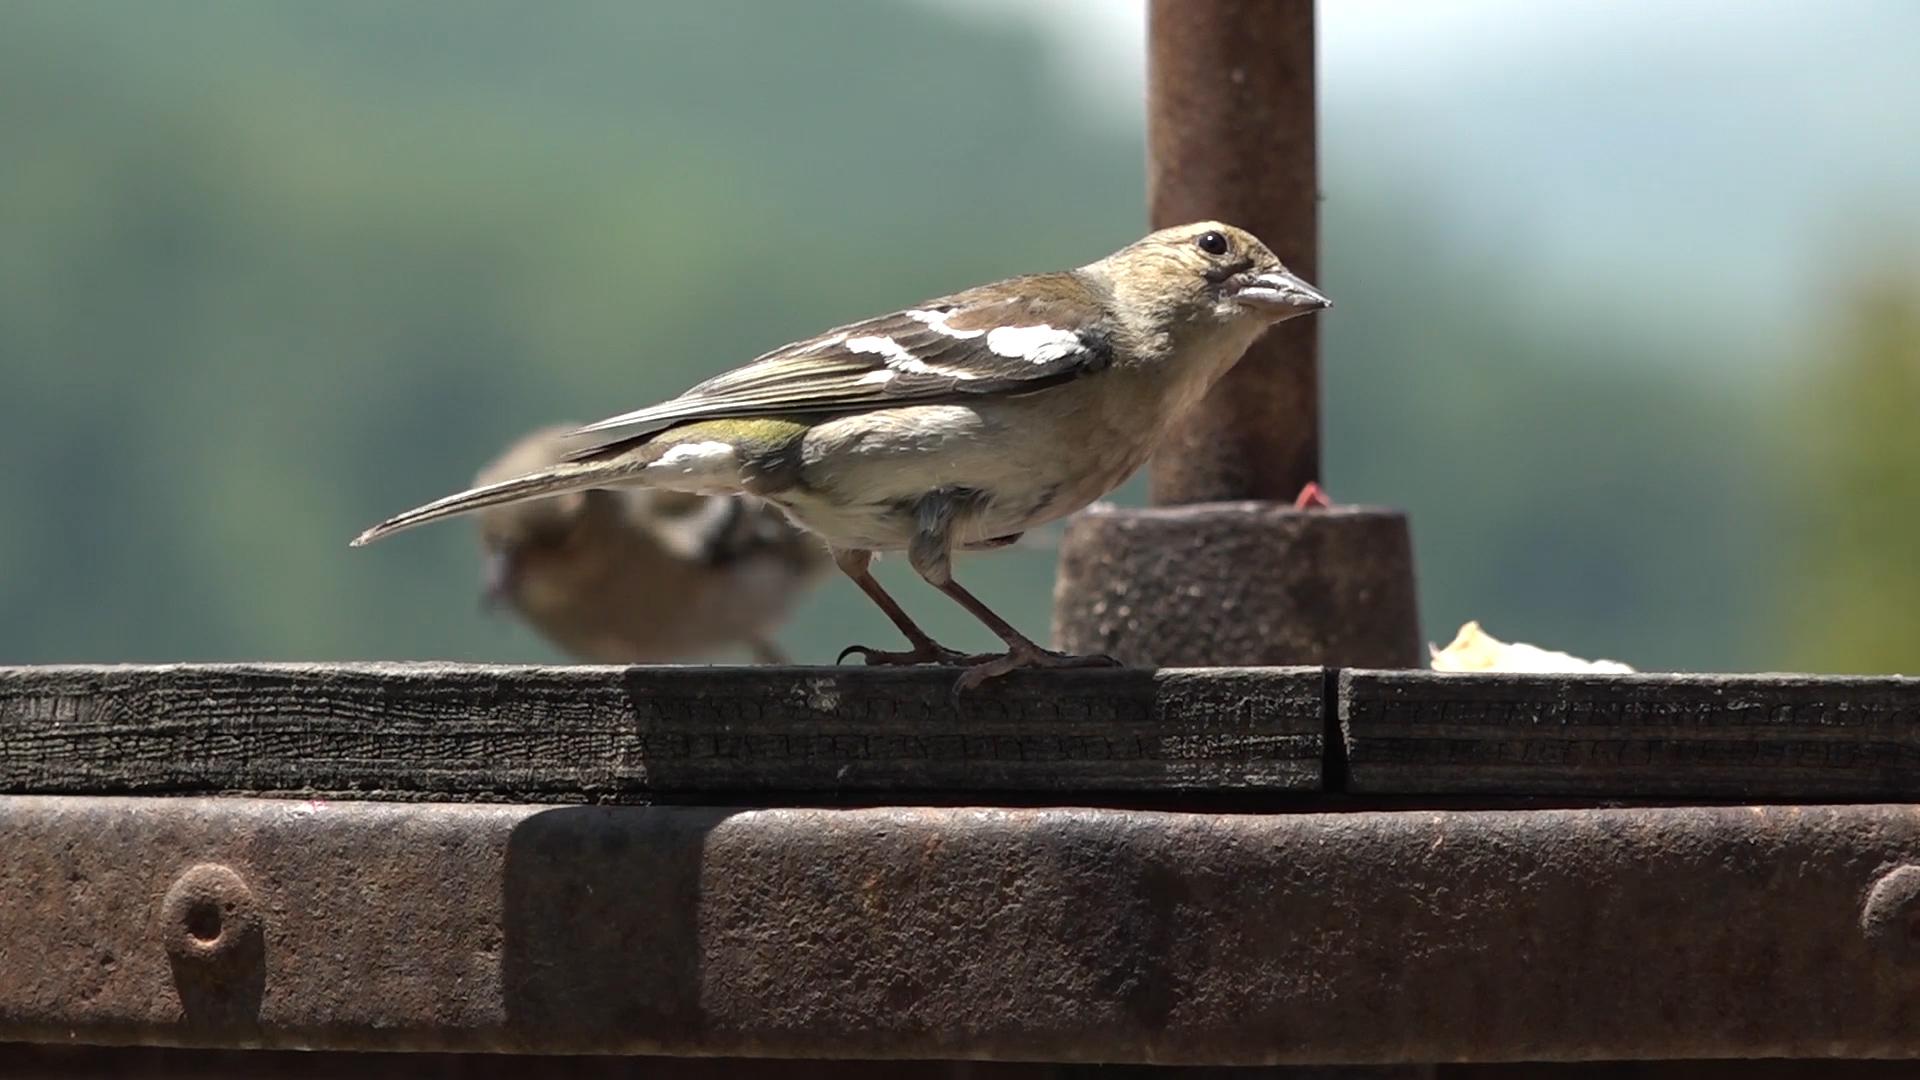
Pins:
x: 635, y: 575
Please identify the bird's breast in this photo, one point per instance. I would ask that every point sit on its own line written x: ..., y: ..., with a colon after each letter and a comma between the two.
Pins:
x: 1025, y: 460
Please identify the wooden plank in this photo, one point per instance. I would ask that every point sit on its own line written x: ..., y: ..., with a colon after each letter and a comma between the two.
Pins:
x: 1783, y: 737
x: 440, y: 731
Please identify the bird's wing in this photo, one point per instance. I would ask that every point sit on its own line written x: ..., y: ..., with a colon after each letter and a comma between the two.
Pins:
x: 1018, y: 336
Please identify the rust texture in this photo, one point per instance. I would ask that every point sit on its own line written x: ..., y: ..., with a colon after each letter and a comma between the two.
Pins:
x: 22, y: 1061
x: 1037, y: 934
x: 1890, y: 917
x: 1242, y: 583
x: 208, y: 916
x: 1230, y: 136
x: 39, y: 1061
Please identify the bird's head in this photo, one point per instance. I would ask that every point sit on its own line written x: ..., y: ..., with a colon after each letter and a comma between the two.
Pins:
x: 519, y: 538
x: 1209, y: 273
x: 539, y: 533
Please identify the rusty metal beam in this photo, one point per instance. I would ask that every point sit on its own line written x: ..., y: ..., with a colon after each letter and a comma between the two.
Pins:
x: 1058, y: 934
x: 40, y: 1061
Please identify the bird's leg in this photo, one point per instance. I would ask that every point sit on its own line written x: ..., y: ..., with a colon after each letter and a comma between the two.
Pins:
x: 857, y: 565
x: 1312, y: 497
x: 1022, y: 651
x: 931, y: 553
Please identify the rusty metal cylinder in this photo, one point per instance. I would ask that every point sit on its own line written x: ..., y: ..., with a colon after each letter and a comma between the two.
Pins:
x: 1239, y: 583
x: 1223, y: 571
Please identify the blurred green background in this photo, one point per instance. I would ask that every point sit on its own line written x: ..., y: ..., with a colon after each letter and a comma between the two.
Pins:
x: 1629, y: 293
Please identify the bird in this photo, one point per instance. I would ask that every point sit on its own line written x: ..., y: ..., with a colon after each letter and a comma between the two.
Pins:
x: 955, y: 424
x: 641, y: 575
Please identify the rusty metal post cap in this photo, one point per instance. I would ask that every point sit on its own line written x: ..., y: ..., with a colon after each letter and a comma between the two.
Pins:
x: 1240, y: 583
x: 208, y: 913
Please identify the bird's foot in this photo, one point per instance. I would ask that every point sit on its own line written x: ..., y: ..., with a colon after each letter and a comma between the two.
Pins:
x: 925, y: 653
x: 1312, y: 497
x: 1027, y: 655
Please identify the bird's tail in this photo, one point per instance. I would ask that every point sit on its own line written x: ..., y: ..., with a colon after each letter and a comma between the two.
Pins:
x: 554, y: 480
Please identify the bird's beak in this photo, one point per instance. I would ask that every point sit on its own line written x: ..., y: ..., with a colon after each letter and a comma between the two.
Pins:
x: 496, y: 583
x: 1282, y: 293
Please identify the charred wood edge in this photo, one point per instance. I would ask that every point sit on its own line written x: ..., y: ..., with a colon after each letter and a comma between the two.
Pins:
x: 567, y: 734
x: 1738, y: 737
x: 570, y: 734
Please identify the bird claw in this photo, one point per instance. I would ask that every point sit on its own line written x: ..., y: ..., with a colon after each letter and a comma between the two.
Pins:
x: 929, y: 653
x: 1029, y: 656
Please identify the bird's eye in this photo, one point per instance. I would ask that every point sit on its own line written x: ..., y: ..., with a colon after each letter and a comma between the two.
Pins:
x: 1212, y: 243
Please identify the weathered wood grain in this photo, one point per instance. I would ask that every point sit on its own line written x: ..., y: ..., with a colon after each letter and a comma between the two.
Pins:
x: 1776, y: 737
x: 438, y: 731
x: 413, y: 731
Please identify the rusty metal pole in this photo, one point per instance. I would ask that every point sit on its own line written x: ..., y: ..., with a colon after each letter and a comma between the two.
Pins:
x: 1230, y: 135
x: 1222, y: 570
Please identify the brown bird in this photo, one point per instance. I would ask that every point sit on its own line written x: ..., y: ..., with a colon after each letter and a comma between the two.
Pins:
x: 958, y: 423
x: 637, y: 575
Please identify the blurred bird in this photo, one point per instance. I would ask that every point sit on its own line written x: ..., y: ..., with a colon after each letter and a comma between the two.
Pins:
x: 637, y: 575
x: 960, y: 422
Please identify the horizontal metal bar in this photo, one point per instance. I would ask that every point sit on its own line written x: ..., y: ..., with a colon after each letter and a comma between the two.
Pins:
x: 1037, y: 934
x: 46, y: 1061
x: 43, y: 1061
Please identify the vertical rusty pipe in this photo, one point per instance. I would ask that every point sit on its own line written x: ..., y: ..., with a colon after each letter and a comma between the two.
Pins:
x: 1221, y: 570
x: 1231, y: 136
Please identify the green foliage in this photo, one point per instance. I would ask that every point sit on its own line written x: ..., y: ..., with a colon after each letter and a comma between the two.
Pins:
x: 276, y: 269
x: 1570, y: 484
x: 1854, y: 604
x: 273, y: 269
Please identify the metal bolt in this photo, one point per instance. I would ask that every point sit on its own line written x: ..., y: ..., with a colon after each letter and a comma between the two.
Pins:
x: 208, y: 913
x: 1891, y: 915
